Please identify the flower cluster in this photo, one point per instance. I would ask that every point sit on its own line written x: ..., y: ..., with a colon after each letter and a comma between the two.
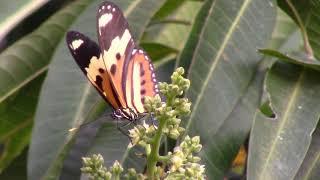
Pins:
x: 94, y: 167
x: 183, y: 163
x: 165, y: 117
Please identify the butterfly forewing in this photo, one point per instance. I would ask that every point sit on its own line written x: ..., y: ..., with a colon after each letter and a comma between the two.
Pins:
x: 116, y: 44
x: 142, y: 82
x: 87, y: 55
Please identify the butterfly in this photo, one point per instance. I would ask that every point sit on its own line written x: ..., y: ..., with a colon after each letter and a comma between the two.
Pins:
x: 121, y: 71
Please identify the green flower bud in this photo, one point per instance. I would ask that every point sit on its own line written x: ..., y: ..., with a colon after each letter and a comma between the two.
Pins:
x: 195, y: 140
x: 180, y: 71
x: 174, y: 121
x: 174, y: 133
x: 181, y: 130
x: 196, y: 159
x: 176, y: 159
x: 152, y: 103
x: 131, y: 174
x: 135, y: 135
x: 116, y: 168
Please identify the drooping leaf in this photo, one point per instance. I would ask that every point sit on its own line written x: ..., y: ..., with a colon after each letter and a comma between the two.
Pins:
x: 278, y: 145
x: 308, y: 13
x: 222, y: 52
x: 299, y: 59
x: 70, y: 95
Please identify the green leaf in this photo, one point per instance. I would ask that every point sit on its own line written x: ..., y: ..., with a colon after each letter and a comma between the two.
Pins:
x: 294, y: 97
x: 285, y: 33
x: 222, y: 52
x: 235, y: 129
x: 17, y: 120
x: 157, y: 51
x: 113, y: 145
x: 174, y: 35
x: 168, y: 8
x: 13, y: 12
x: 29, y: 57
x: 23, y: 66
x: 310, y: 167
x: 67, y: 98
x: 17, y: 169
x: 298, y: 59
x: 308, y: 16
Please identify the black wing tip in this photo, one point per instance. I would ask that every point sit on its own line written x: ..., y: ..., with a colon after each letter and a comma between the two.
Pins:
x: 105, y: 4
x: 72, y: 35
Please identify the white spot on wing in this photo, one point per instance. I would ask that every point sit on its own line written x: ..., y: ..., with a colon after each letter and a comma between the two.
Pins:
x: 109, y: 6
x: 151, y: 67
x: 104, y: 20
x: 140, y: 51
x: 76, y: 44
x: 102, y: 7
x: 113, y: 9
x: 134, y: 51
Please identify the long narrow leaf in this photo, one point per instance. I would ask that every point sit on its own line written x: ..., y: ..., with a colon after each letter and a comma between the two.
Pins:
x: 13, y: 12
x: 222, y: 60
x: 294, y: 98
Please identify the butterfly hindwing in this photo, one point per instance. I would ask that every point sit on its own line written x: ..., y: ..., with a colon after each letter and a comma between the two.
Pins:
x: 116, y: 44
x: 88, y: 56
x: 142, y: 81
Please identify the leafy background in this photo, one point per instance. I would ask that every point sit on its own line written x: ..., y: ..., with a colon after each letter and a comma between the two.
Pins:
x: 264, y: 101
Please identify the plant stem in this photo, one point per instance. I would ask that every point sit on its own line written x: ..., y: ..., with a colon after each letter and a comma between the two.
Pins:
x: 306, y: 43
x: 152, y: 159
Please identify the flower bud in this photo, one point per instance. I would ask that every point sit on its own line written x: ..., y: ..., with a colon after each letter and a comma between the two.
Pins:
x: 116, y: 168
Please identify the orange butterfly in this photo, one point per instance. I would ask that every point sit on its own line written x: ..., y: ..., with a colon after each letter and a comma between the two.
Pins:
x: 120, y: 71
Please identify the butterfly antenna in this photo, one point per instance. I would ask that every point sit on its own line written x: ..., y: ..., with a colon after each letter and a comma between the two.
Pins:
x: 99, y: 120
